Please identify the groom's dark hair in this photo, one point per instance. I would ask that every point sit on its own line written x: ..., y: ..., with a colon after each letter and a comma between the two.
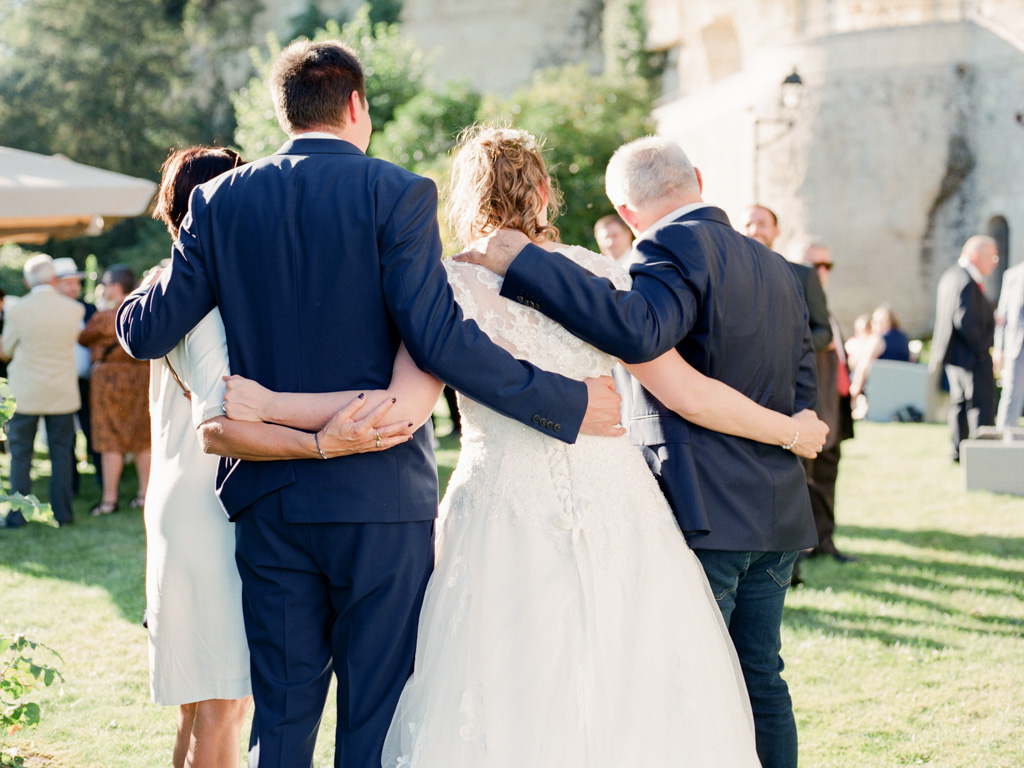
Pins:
x: 311, y: 84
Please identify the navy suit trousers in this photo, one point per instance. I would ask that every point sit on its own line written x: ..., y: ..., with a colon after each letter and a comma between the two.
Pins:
x: 323, y: 597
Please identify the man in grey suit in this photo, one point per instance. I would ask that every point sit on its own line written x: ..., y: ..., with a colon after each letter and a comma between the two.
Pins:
x: 1009, y: 339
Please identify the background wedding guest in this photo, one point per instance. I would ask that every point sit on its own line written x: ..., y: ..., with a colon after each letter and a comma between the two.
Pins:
x: 39, y: 337
x: 1009, y: 339
x: 964, y: 334
x: 614, y: 238
x: 886, y: 341
x: 834, y: 408
x: 857, y: 344
x: 69, y: 283
x: 762, y: 225
x: 119, y: 394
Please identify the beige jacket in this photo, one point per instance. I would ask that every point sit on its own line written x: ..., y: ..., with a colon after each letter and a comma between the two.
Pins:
x: 40, y: 333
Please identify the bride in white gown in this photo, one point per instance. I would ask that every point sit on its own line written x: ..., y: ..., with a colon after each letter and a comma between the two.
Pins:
x: 567, y: 623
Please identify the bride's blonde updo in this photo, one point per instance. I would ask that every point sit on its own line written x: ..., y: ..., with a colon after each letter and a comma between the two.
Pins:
x: 498, y: 181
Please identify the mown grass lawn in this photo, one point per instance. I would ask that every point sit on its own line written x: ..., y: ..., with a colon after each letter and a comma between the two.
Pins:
x: 914, y: 655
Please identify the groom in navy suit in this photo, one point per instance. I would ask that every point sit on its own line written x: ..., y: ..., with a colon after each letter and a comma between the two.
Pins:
x: 735, y: 311
x: 322, y: 261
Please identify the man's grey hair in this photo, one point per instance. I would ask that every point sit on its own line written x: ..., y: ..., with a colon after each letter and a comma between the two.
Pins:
x: 39, y: 270
x: 647, y: 170
x: 975, y: 243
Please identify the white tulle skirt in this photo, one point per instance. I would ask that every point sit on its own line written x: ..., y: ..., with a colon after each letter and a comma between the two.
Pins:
x: 567, y: 623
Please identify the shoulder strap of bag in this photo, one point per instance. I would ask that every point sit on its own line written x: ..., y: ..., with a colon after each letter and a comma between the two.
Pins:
x: 184, y: 390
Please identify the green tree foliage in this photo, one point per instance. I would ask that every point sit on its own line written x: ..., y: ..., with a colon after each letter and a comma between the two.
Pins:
x: 583, y: 119
x: 425, y: 128
x: 102, y: 81
x: 624, y: 37
x: 394, y: 67
x: 219, y: 34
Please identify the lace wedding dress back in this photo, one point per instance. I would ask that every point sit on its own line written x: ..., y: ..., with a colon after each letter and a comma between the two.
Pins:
x: 567, y: 624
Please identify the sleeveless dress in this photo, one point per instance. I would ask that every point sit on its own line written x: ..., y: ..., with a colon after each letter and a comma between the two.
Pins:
x: 197, y: 647
x: 566, y: 624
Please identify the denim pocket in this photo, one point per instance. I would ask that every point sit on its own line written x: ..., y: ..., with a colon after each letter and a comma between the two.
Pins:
x: 782, y: 573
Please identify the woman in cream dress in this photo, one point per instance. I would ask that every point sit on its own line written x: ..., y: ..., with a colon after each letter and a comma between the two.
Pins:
x: 198, y: 658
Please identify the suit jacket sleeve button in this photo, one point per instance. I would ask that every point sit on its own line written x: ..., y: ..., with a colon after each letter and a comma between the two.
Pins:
x: 558, y: 427
x: 536, y: 419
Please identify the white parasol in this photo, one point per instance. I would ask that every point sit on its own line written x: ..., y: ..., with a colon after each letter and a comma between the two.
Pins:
x: 43, y: 197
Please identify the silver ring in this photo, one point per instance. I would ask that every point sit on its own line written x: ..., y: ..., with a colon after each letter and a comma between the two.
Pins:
x: 378, y: 438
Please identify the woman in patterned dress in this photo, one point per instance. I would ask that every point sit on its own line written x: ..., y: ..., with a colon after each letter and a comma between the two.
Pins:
x: 119, y: 394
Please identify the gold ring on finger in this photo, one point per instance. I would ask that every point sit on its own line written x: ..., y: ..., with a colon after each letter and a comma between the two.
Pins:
x: 378, y: 437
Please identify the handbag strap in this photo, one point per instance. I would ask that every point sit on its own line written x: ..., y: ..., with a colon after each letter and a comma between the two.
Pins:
x: 184, y: 390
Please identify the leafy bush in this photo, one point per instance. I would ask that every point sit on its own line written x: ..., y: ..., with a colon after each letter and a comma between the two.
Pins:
x: 25, y: 667
x: 425, y: 128
x: 394, y: 67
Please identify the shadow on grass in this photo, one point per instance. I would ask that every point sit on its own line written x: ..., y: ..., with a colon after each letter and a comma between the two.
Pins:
x: 896, y: 630
x: 906, y: 598
x: 108, y: 552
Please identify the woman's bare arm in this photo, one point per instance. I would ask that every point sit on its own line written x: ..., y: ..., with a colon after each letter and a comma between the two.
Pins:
x: 714, y: 405
x: 874, y: 349
x: 352, y: 429
x: 414, y: 392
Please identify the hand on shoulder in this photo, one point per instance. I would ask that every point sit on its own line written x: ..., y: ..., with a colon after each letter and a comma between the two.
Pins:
x: 496, y: 251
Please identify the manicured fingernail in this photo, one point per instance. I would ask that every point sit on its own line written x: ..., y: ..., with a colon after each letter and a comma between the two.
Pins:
x: 393, y: 400
x: 410, y: 424
x: 362, y: 395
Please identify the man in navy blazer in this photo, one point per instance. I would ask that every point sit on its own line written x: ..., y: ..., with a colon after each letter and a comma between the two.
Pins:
x: 322, y: 261
x: 735, y: 311
x: 964, y: 333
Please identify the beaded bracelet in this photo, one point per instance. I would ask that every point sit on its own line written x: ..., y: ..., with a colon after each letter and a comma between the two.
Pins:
x: 789, y: 447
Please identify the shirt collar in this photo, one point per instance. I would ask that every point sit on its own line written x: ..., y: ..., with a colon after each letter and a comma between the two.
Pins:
x: 316, y: 135
x: 972, y: 271
x: 669, y: 218
x: 43, y: 287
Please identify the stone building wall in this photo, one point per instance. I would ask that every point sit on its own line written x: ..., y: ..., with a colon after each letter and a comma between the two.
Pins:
x: 495, y: 46
x: 905, y: 141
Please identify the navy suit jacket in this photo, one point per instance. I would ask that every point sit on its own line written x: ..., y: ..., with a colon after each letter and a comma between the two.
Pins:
x: 322, y: 261
x: 964, y: 322
x: 817, y: 306
x: 735, y: 311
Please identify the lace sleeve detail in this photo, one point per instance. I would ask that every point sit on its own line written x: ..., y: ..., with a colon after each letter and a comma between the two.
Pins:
x: 600, y: 265
x: 477, y: 290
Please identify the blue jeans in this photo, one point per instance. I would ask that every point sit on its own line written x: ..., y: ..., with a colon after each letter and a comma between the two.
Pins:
x: 750, y: 588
